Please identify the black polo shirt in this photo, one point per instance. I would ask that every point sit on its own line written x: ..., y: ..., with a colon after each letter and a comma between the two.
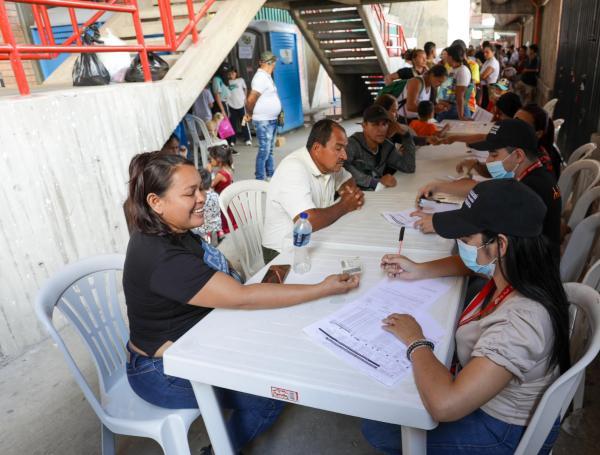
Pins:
x: 544, y: 184
x: 530, y: 78
x: 161, y: 275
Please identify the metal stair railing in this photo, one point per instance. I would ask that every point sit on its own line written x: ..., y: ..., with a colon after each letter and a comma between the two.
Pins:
x: 48, y: 49
x: 391, y: 31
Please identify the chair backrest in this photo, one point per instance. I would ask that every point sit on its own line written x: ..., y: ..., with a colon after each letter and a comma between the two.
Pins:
x: 592, y: 276
x: 200, y: 138
x: 583, y: 205
x: 576, y: 179
x: 582, y: 152
x: 558, y: 123
x: 86, y: 293
x: 549, y: 107
x: 585, y: 344
x: 247, y: 200
x: 577, y: 252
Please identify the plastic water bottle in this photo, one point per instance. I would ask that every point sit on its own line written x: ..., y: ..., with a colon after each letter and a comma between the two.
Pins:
x: 302, y: 232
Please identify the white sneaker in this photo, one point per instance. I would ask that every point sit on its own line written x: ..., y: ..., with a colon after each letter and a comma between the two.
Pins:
x: 249, y: 143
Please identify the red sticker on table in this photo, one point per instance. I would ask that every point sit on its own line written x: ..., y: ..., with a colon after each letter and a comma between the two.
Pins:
x: 284, y: 394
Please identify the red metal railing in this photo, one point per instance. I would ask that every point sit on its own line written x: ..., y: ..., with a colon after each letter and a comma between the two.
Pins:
x: 48, y: 48
x: 391, y: 32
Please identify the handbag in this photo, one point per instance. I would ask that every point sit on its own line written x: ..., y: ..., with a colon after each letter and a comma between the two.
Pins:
x: 225, y: 129
x: 281, y: 118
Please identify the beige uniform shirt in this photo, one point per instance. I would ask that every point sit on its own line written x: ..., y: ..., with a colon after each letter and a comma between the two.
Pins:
x: 518, y: 336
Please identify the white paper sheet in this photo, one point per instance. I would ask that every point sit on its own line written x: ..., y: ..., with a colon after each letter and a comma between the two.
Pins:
x: 354, y: 333
x: 401, y: 218
x: 482, y: 115
x: 437, y: 207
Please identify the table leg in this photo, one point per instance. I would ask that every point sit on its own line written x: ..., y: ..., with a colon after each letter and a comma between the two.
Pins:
x: 213, y: 418
x: 414, y: 441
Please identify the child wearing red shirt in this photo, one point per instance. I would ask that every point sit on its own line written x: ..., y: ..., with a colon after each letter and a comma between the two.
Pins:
x: 422, y: 127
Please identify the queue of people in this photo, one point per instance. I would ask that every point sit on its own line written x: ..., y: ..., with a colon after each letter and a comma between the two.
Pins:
x: 476, y: 77
x: 512, y: 339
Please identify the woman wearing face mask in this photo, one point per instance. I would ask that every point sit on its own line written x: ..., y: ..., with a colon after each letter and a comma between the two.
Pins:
x: 512, y: 340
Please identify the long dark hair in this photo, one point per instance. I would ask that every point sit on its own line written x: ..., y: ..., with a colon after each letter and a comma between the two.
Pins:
x: 149, y: 172
x: 457, y: 53
x: 532, y: 269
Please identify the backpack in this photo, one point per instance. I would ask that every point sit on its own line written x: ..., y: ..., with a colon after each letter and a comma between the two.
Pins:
x: 396, y: 89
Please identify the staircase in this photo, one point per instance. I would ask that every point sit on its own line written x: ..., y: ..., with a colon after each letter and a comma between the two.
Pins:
x: 348, y: 44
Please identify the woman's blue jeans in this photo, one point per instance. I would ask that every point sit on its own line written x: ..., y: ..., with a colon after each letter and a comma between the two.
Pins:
x: 251, y: 414
x: 477, y: 433
x: 266, y: 132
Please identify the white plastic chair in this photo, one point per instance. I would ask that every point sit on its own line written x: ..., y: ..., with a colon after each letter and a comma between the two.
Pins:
x: 200, y: 138
x: 583, y: 205
x: 585, y: 344
x: 582, y: 152
x: 591, y: 279
x: 86, y: 294
x: 592, y: 276
x: 575, y: 180
x: 550, y: 106
x: 247, y: 200
x: 577, y: 252
x: 558, y: 123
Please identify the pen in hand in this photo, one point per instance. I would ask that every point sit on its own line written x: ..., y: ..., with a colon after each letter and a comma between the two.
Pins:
x: 401, y: 239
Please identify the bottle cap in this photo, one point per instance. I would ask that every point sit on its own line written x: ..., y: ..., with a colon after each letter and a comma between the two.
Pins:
x: 304, y: 215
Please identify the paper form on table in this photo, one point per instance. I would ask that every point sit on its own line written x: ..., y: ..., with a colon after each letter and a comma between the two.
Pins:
x: 354, y: 333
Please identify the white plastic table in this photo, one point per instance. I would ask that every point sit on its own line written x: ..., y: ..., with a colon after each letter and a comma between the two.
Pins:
x: 266, y: 353
x: 467, y: 127
x: 366, y: 229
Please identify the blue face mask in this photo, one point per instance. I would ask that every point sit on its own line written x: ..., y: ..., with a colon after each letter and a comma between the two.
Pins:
x: 498, y: 171
x: 468, y: 254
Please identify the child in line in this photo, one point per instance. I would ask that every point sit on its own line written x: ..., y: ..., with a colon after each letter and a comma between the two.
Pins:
x: 221, y: 165
x: 424, y: 126
x: 212, y: 230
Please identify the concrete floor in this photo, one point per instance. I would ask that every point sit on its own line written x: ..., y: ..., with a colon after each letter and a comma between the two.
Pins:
x: 44, y: 412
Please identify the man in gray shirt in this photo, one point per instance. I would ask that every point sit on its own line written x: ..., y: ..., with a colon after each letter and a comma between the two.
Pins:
x: 372, y: 157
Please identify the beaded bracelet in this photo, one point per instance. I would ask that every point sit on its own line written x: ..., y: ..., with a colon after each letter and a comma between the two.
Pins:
x: 418, y: 344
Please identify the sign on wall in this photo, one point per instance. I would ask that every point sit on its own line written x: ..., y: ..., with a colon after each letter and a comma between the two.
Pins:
x: 246, y: 46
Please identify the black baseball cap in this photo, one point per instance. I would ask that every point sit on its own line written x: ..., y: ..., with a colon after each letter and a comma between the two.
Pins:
x: 375, y: 114
x: 509, y: 133
x: 502, y: 206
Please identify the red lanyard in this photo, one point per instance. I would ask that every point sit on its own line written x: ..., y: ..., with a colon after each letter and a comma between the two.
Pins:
x: 532, y: 167
x: 474, y: 310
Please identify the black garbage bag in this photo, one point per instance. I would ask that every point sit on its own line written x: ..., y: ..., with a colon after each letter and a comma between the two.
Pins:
x: 88, y: 69
x: 158, y: 68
